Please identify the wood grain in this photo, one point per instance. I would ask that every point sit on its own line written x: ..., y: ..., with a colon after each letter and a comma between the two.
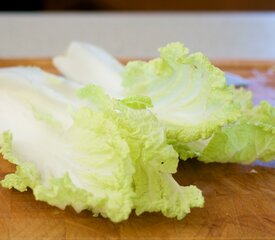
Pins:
x: 240, y: 200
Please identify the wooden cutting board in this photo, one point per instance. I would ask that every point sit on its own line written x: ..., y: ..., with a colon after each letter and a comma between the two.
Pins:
x: 239, y: 200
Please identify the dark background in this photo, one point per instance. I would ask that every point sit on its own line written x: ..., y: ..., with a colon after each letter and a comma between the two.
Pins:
x: 131, y: 5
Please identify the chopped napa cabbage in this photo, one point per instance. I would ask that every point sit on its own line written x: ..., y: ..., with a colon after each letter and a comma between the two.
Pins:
x: 189, y: 94
x: 69, y: 162
x: 250, y: 138
x: 92, y: 152
x: 154, y: 160
x: 190, y: 97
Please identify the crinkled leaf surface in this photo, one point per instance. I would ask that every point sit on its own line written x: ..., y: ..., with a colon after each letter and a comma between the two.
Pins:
x: 250, y: 138
x: 189, y: 94
x: 154, y: 160
x: 76, y: 158
x: 99, y: 154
